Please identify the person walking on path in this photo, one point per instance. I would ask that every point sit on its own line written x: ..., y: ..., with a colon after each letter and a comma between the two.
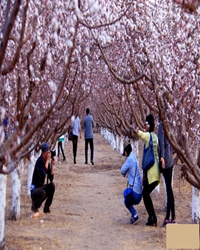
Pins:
x: 40, y: 191
x: 130, y: 169
x: 60, y: 147
x: 166, y: 161
x: 151, y: 178
x: 76, y: 129
x: 88, y: 134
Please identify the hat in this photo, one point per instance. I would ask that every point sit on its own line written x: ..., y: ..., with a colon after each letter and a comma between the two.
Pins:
x: 126, y: 143
x: 150, y: 119
x: 45, y: 147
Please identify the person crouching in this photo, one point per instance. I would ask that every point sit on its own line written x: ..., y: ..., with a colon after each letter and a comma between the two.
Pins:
x: 133, y: 194
x: 44, y: 167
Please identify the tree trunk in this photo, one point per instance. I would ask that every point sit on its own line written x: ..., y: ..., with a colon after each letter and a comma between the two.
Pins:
x: 31, y: 165
x: 121, y: 145
x: 16, y: 189
x: 196, y: 195
x: 135, y: 147
x: 195, y: 205
x: 113, y: 141
x: 3, y: 179
x: 110, y: 137
x: 117, y: 143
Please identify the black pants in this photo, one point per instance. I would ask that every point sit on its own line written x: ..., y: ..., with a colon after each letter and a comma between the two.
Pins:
x: 167, y: 173
x: 75, y: 144
x: 60, y: 147
x: 148, y: 188
x: 40, y: 194
x: 90, y: 141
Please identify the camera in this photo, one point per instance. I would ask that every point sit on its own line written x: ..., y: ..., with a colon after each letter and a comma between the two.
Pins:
x: 53, y: 153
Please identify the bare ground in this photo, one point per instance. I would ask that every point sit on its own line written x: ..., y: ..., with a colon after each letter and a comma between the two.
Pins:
x: 88, y: 210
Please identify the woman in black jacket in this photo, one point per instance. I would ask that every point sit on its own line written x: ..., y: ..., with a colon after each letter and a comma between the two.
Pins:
x: 166, y: 160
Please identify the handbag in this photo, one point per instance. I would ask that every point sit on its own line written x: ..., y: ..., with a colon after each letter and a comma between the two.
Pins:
x: 148, y: 158
x: 128, y: 195
x: 70, y: 135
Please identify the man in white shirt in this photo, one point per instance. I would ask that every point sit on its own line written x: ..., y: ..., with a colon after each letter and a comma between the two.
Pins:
x: 76, y: 128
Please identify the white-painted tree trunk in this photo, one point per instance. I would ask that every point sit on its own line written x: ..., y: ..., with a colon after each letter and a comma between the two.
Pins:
x: 113, y: 143
x: 196, y: 201
x: 135, y: 147
x: 31, y: 164
x: 3, y: 180
x: 16, y: 175
x: 121, y: 145
x: 117, y: 143
x: 195, y: 205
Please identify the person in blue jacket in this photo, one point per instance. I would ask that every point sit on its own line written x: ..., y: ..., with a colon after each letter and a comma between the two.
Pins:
x: 130, y: 169
x: 88, y: 134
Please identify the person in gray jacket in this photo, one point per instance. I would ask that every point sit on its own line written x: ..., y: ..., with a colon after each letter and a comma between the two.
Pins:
x: 130, y: 169
x: 166, y: 161
x: 88, y: 134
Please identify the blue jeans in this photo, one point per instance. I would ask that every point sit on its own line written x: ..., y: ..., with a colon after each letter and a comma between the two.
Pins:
x: 136, y: 200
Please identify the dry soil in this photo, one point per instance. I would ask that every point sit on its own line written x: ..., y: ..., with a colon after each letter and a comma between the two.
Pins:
x: 88, y: 211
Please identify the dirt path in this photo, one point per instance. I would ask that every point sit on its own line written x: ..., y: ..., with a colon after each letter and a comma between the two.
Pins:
x: 88, y: 211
